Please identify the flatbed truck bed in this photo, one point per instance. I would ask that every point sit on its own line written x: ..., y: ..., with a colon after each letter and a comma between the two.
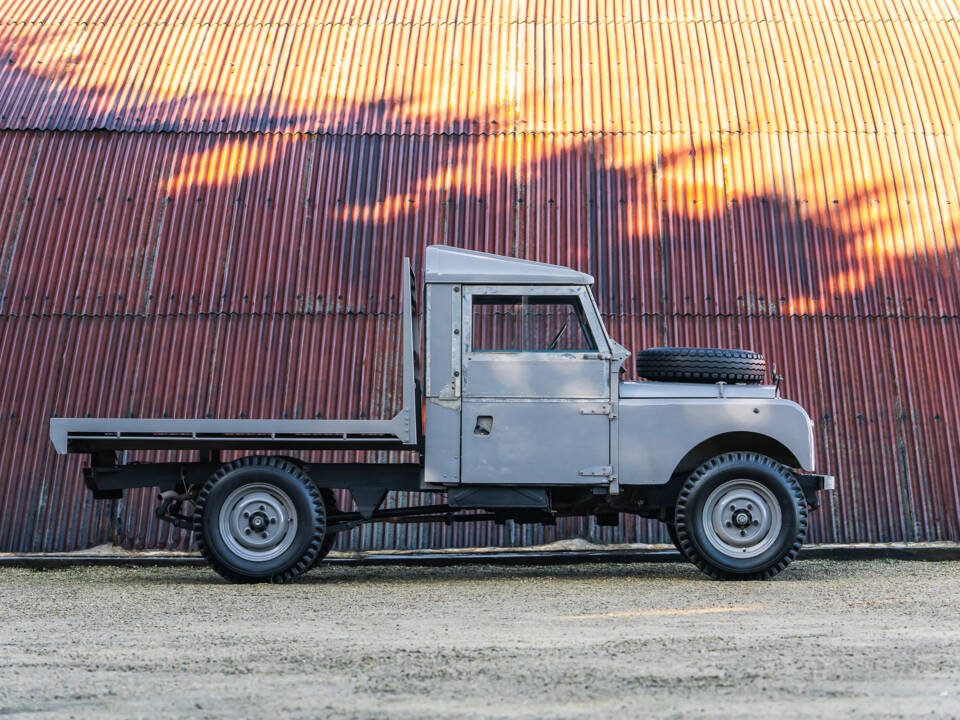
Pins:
x: 401, y: 432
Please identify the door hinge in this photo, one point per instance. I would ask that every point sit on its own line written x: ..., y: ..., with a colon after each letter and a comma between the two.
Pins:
x: 604, y: 409
x: 602, y: 471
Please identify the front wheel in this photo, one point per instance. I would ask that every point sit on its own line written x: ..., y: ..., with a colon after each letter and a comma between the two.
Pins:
x: 741, y: 516
x: 672, y: 532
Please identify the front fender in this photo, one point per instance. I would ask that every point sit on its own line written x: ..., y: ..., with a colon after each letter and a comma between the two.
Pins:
x: 656, y: 434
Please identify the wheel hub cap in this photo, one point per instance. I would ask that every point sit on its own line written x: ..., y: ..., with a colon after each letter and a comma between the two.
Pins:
x: 258, y: 522
x: 742, y: 518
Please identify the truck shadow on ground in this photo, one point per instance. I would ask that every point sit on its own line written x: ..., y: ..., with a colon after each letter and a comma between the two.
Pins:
x: 801, y: 571
x: 679, y: 571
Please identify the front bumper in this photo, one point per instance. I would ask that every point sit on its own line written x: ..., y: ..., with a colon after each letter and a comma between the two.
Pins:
x: 812, y: 484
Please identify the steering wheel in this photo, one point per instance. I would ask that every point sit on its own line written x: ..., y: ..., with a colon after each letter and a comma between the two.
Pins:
x: 556, y: 338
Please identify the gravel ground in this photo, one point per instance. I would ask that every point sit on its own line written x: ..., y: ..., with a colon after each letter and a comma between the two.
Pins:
x: 881, y: 639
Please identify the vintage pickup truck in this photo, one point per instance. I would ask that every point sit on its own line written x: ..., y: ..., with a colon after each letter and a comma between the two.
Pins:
x: 527, y: 418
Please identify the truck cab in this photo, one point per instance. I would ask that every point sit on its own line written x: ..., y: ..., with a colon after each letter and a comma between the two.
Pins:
x: 522, y: 381
x: 523, y: 377
x: 526, y: 418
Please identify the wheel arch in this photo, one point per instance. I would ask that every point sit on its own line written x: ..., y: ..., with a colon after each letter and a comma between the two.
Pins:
x: 732, y: 442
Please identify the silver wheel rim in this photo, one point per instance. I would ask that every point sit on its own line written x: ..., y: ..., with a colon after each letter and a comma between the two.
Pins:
x: 258, y: 522
x: 742, y: 518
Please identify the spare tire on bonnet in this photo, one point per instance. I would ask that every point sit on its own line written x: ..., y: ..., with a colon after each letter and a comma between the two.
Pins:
x: 701, y: 365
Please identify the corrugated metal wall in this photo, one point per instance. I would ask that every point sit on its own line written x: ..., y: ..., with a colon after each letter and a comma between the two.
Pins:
x: 203, y: 206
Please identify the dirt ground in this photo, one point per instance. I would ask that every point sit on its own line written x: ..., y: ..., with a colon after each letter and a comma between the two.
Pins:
x: 881, y: 639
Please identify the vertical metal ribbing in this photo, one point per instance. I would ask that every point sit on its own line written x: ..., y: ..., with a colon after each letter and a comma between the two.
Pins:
x: 766, y: 177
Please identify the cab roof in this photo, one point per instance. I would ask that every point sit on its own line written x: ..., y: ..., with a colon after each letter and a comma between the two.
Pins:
x: 446, y: 264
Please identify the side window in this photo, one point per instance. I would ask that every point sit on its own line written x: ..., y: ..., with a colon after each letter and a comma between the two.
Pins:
x: 497, y: 323
x: 530, y: 323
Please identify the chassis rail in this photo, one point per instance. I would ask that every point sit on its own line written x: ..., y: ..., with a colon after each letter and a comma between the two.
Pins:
x: 107, y: 480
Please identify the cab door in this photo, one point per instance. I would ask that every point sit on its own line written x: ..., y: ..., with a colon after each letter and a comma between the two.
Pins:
x: 535, y: 387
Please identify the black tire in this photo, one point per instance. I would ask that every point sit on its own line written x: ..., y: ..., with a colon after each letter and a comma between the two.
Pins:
x: 701, y: 365
x: 672, y: 532
x: 330, y: 505
x: 299, y: 507
x: 742, y: 492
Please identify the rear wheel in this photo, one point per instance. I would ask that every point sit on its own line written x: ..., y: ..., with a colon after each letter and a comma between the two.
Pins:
x: 330, y: 505
x: 260, y: 519
x: 741, y: 516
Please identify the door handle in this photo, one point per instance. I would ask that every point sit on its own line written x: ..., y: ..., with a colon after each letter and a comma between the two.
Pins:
x: 484, y: 425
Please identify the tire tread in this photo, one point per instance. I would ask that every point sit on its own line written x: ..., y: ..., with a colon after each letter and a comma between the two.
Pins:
x: 330, y: 504
x: 704, y: 365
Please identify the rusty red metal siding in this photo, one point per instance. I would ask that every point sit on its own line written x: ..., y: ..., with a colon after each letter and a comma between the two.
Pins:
x: 203, y: 207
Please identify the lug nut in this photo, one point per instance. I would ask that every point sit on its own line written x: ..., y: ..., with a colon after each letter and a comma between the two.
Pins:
x: 246, y: 514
